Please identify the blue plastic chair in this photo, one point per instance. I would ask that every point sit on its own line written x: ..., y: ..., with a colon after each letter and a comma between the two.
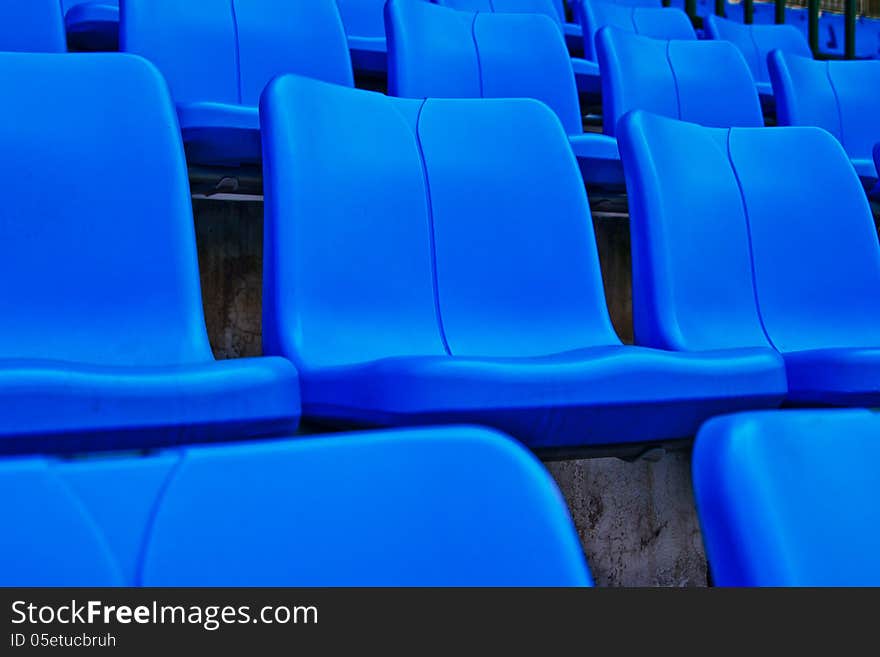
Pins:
x: 103, y: 338
x: 655, y: 22
x: 755, y: 236
x: 32, y: 26
x: 433, y: 262
x: 756, y: 42
x: 586, y: 72
x: 428, y: 507
x: 678, y: 79
x: 218, y: 55
x: 790, y: 498
x: 92, y: 25
x: 554, y: 9
x: 841, y: 97
x: 365, y: 29
x: 438, y: 52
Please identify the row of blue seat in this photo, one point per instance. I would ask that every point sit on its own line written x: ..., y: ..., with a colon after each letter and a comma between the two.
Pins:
x: 369, y: 292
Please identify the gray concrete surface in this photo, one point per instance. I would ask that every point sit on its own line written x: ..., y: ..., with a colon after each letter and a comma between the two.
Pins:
x: 636, y: 520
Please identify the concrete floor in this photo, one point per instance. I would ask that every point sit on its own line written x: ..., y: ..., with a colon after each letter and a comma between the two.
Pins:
x: 637, y: 521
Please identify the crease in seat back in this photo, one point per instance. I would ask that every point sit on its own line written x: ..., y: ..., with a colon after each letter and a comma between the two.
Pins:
x: 347, y: 243
x: 856, y: 86
x: 540, y: 69
x: 814, y: 245
x: 517, y: 268
x: 431, y: 51
x: 804, y: 94
x: 692, y: 274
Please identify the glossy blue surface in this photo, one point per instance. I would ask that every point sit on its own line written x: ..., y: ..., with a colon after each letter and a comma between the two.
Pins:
x: 365, y: 29
x: 468, y: 288
x: 438, y: 52
x: 790, y: 498
x: 218, y: 55
x: 841, y: 97
x: 678, y: 79
x: 103, y: 312
x: 92, y: 25
x: 32, y: 26
x: 754, y: 259
x: 756, y: 42
x: 654, y: 22
x: 456, y: 506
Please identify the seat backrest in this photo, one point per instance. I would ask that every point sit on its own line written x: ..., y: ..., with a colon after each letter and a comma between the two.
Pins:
x: 692, y: 273
x: 841, y: 97
x: 787, y: 498
x: 98, y: 278
x: 756, y: 42
x: 816, y: 258
x: 654, y: 22
x: 422, y: 513
x: 442, y: 53
x: 678, y: 79
x: 32, y: 26
x: 744, y: 232
x: 362, y: 17
x: 227, y: 50
x: 352, y: 237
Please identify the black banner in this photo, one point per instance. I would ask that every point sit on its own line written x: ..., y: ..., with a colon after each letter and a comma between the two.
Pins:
x: 328, y: 621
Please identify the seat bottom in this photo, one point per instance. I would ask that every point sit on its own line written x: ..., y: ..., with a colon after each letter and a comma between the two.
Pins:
x: 834, y: 377
x: 586, y: 74
x: 50, y: 406
x: 596, y: 396
x: 598, y: 158
x: 93, y: 27
x: 368, y: 54
x: 220, y: 134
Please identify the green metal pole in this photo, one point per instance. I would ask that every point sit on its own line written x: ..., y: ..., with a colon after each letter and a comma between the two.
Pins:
x: 813, y: 25
x: 779, y: 14
x: 719, y: 8
x: 748, y: 11
x: 849, y: 32
x: 690, y: 6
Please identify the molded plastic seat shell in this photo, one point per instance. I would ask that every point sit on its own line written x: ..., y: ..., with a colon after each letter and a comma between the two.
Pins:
x: 841, y: 97
x: 789, y: 498
x: 723, y: 258
x: 468, y: 289
x: 282, y: 513
x: 92, y: 25
x: 438, y: 52
x: 678, y: 79
x: 218, y: 55
x: 103, y: 343
x: 365, y: 30
x: 32, y: 26
x: 756, y: 42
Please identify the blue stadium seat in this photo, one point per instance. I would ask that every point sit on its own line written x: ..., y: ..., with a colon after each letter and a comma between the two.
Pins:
x: 790, y: 498
x: 841, y: 97
x: 174, y: 519
x: 103, y: 339
x: 756, y: 42
x: 755, y: 236
x: 678, y: 79
x: 434, y: 262
x: 218, y: 55
x: 365, y: 30
x: 436, y: 52
x: 655, y: 22
x: 586, y: 72
x: 32, y: 26
x: 92, y: 25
